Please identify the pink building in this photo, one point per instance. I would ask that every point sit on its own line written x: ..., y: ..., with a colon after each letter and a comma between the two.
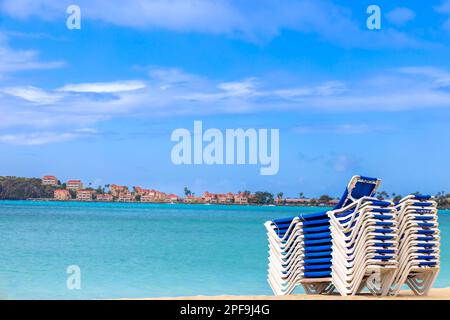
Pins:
x: 241, y: 198
x: 62, y: 195
x: 49, y: 181
x: 172, y: 198
x: 84, y: 195
x: 125, y: 196
x: 209, y: 197
x: 147, y: 198
x: 74, y: 185
x: 117, y: 190
x: 193, y: 199
x: 105, y: 197
x: 157, y: 196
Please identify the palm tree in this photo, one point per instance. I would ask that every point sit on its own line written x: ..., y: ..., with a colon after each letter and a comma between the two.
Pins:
x: 301, y: 195
x: 187, y: 192
x: 280, y: 195
x: 382, y: 195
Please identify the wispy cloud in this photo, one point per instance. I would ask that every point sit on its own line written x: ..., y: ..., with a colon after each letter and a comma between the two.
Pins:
x: 173, y: 92
x: 40, y: 138
x: 32, y: 94
x: 104, y: 87
x: 12, y: 60
x: 400, y: 16
x: 343, y: 163
x: 444, y: 8
x: 257, y: 21
x: 344, y: 129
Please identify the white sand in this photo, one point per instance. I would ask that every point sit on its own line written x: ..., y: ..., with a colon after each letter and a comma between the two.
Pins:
x: 435, y: 294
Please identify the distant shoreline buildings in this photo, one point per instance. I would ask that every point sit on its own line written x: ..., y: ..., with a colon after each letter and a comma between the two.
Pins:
x: 74, y: 190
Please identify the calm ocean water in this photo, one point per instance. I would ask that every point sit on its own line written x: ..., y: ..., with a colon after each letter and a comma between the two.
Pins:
x: 142, y: 250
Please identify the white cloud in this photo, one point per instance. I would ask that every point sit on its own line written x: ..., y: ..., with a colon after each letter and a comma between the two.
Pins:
x: 172, y: 93
x: 240, y: 88
x: 104, y: 87
x: 32, y: 94
x: 444, y: 8
x: 400, y: 16
x: 345, y: 128
x: 40, y: 138
x: 256, y: 21
x: 12, y: 60
x: 343, y: 163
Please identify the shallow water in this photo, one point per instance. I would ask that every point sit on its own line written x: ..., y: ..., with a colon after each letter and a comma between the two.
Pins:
x: 142, y: 250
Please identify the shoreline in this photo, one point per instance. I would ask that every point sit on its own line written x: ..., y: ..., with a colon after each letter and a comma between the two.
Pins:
x: 435, y: 294
x: 181, y: 203
x: 169, y: 203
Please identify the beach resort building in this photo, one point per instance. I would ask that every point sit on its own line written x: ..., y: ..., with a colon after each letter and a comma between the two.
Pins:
x: 74, y: 185
x: 193, y: 199
x: 221, y: 198
x: 117, y: 190
x: 84, y: 195
x: 141, y: 191
x: 225, y: 198
x: 229, y: 197
x: 158, y: 196
x: 147, y: 198
x: 125, y: 196
x: 49, y: 181
x: 62, y: 195
x: 209, y: 197
x: 172, y: 198
x: 293, y: 201
x: 106, y: 197
x: 241, y: 198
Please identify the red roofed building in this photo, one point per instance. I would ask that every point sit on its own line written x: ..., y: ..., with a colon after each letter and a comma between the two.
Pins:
x: 141, y: 191
x: 155, y: 196
x: 116, y: 190
x: 62, y: 195
x: 74, y: 185
x: 147, y: 198
x: 172, y: 198
x: 221, y: 198
x: 84, y: 195
x: 125, y: 196
x: 105, y: 197
x: 49, y: 181
x: 209, y: 197
x: 241, y: 198
x: 193, y: 199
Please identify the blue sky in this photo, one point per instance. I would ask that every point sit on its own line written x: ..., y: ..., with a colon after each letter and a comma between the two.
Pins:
x: 100, y: 103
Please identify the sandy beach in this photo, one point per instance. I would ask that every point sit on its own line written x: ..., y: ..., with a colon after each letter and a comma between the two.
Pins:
x: 435, y: 294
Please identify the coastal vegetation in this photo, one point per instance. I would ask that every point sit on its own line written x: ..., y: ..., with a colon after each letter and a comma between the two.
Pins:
x: 14, y: 188
x: 19, y: 188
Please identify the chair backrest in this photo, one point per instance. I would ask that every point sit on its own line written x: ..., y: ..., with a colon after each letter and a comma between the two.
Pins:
x: 358, y: 187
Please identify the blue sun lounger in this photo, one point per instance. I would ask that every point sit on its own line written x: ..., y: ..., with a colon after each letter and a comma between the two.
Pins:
x: 300, y: 248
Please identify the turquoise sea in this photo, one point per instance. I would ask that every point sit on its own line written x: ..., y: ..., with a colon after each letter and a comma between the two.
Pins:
x: 142, y: 250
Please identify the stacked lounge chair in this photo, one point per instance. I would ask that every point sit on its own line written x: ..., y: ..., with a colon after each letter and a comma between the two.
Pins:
x: 365, y: 247
x: 419, y: 251
x: 300, y: 248
x: 362, y: 243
